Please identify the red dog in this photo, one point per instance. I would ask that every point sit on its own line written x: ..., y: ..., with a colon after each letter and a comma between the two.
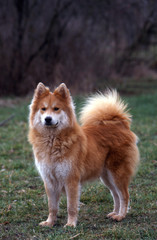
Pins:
x: 67, y: 154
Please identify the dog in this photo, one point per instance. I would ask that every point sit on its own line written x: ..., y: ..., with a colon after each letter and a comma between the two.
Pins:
x: 68, y: 153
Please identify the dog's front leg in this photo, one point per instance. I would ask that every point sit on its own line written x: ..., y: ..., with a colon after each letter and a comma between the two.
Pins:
x: 73, y: 194
x: 53, y: 204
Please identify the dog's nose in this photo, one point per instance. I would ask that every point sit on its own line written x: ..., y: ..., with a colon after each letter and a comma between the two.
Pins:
x: 48, y: 120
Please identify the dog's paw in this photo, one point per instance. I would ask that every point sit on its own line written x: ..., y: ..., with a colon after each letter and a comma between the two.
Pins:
x: 70, y: 225
x: 46, y: 224
x: 117, y: 217
x: 111, y: 214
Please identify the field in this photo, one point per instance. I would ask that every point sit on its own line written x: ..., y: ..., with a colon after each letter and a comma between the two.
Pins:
x: 23, y: 202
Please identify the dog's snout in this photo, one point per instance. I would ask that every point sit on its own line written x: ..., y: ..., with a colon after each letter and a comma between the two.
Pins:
x: 48, y: 120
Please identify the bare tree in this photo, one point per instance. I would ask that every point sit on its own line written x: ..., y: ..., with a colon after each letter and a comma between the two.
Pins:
x: 79, y: 42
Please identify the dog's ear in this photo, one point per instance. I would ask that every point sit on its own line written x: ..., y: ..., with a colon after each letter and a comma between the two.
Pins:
x: 62, y: 90
x: 41, y: 89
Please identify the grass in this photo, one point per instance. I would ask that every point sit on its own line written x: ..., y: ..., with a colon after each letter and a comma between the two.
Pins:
x: 23, y: 201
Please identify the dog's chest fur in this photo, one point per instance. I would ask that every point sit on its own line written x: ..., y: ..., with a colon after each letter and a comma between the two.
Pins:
x: 51, y: 158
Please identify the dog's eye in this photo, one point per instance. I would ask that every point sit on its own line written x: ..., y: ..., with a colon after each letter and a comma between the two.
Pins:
x: 56, y: 108
x: 43, y: 109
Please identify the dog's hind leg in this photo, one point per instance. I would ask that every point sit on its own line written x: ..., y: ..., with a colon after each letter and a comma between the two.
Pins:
x: 122, y: 186
x: 119, y: 190
x: 107, y: 179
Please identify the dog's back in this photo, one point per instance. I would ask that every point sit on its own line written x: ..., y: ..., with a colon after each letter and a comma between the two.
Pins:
x: 105, y: 116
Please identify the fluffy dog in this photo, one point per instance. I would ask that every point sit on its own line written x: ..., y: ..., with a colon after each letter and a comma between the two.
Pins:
x: 67, y: 154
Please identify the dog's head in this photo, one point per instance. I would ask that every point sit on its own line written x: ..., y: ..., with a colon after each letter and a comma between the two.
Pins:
x: 51, y: 110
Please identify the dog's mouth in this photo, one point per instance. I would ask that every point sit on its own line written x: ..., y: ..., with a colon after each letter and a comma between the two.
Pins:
x: 52, y: 125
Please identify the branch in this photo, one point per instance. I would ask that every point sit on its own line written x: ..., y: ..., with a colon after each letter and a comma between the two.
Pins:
x: 147, y: 26
x: 48, y: 33
x: 7, y: 120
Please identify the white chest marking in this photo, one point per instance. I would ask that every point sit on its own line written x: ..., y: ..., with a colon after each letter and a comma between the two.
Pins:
x: 54, y: 172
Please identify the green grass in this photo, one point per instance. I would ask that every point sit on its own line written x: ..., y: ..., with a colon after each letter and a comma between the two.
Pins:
x: 23, y: 201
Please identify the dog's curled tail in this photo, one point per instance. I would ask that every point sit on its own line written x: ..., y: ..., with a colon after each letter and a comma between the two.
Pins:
x: 105, y: 108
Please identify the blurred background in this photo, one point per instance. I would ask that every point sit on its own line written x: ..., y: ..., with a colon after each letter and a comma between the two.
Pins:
x: 89, y: 45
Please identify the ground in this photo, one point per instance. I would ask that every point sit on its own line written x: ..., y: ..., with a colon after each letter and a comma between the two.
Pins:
x: 23, y: 200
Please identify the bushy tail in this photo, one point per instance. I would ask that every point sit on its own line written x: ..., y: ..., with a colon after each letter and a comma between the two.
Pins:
x: 102, y: 108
